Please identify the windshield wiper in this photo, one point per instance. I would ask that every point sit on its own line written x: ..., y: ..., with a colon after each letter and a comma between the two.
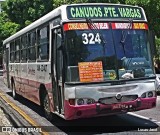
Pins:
x: 124, y: 36
x: 94, y: 28
x: 124, y: 33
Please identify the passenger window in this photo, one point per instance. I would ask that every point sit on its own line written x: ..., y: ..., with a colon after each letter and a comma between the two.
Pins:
x: 32, y: 46
x: 24, y: 49
x: 12, y: 52
x: 43, y: 44
x: 17, y: 50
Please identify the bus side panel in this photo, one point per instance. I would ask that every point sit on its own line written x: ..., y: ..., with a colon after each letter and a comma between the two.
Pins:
x: 31, y: 89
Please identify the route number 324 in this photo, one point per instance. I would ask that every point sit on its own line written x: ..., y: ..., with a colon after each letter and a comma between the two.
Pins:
x: 90, y: 38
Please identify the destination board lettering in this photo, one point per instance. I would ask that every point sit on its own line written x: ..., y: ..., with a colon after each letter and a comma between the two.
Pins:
x: 79, y: 26
x: 130, y: 26
x: 104, y: 11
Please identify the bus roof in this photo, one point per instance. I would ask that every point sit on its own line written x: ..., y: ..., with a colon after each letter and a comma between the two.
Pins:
x: 61, y: 11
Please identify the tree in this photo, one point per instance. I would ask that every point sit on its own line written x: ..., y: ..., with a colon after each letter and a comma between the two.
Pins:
x: 60, y: 2
x: 19, y: 13
x: 157, y: 48
x: 23, y: 12
x: 152, y: 10
x: 7, y: 28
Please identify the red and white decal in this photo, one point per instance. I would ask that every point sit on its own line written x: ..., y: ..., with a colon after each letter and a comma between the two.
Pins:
x: 129, y: 26
x: 81, y: 26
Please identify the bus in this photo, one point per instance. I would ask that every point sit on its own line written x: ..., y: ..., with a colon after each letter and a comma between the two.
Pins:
x: 83, y: 60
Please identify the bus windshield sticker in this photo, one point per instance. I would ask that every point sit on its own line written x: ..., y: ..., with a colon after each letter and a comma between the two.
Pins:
x: 133, y: 26
x: 112, y: 75
x: 81, y: 26
x: 90, y: 71
x: 104, y: 11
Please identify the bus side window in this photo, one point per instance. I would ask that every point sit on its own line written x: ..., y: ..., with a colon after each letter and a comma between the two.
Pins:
x: 12, y: 52
x: 43, y: 44
x: 24, y: 48
x: 32, y: 46
x: 17, y: 50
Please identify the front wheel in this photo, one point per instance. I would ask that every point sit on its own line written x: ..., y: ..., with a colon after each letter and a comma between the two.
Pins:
x: 46, y: 108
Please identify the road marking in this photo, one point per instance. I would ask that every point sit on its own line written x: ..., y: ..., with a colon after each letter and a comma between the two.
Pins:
x: 143, y: 117
x: 22, y: 113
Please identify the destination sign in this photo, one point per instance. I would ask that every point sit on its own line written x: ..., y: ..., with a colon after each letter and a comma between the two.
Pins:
x: 104, y: 25
x: 104, y: 11
x: 127, y: 25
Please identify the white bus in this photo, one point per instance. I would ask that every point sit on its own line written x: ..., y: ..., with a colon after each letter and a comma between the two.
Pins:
x: 83, y: 60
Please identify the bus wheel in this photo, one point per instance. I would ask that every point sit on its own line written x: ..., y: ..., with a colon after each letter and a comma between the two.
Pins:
x: 46, y: 108
x: 14, y: 94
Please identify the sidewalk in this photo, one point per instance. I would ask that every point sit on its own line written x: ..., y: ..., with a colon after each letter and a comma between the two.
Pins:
x: 4, y: 122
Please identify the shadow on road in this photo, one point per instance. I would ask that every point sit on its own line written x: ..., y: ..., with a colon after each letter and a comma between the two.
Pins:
x: 88, y: 126
x: 29, y: 104
x: 107, y: 124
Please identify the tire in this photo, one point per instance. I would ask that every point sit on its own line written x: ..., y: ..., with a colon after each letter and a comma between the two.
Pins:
x: 14, y: 94
x: 48, y: 114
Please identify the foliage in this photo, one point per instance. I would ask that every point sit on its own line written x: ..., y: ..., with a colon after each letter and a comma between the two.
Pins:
x: 20, y: 13
x: 7, y: 28
x: 60, y: 2
x: 23, y: 11
x: 157, y: 54
x: 152, y: 9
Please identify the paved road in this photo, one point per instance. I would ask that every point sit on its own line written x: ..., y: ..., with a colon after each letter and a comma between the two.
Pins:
x: 4, y: 123
x: 124, y: 124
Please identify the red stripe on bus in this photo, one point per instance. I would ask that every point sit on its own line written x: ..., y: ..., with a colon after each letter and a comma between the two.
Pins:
x: 33, y: 83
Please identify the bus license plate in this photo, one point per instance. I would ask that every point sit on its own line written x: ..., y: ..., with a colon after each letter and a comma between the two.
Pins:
x: 119, y: 106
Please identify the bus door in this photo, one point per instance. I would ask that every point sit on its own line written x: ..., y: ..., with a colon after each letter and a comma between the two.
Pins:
x: 56, y: 71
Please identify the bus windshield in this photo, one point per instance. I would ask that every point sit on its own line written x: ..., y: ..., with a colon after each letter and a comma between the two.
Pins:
x: 103, y: 53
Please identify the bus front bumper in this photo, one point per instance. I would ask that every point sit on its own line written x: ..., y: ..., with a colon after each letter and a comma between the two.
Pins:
x: 98, y: 109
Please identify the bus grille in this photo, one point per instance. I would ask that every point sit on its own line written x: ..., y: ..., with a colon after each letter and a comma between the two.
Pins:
x: 117, y: 89
x: 113, y: 100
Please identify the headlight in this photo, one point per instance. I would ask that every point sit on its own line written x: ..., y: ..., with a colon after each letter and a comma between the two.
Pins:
x: 85, y: 101
x: 80, y: 101
x: 143, y: 95
x: 158, y: 89
x: 150, y: 94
